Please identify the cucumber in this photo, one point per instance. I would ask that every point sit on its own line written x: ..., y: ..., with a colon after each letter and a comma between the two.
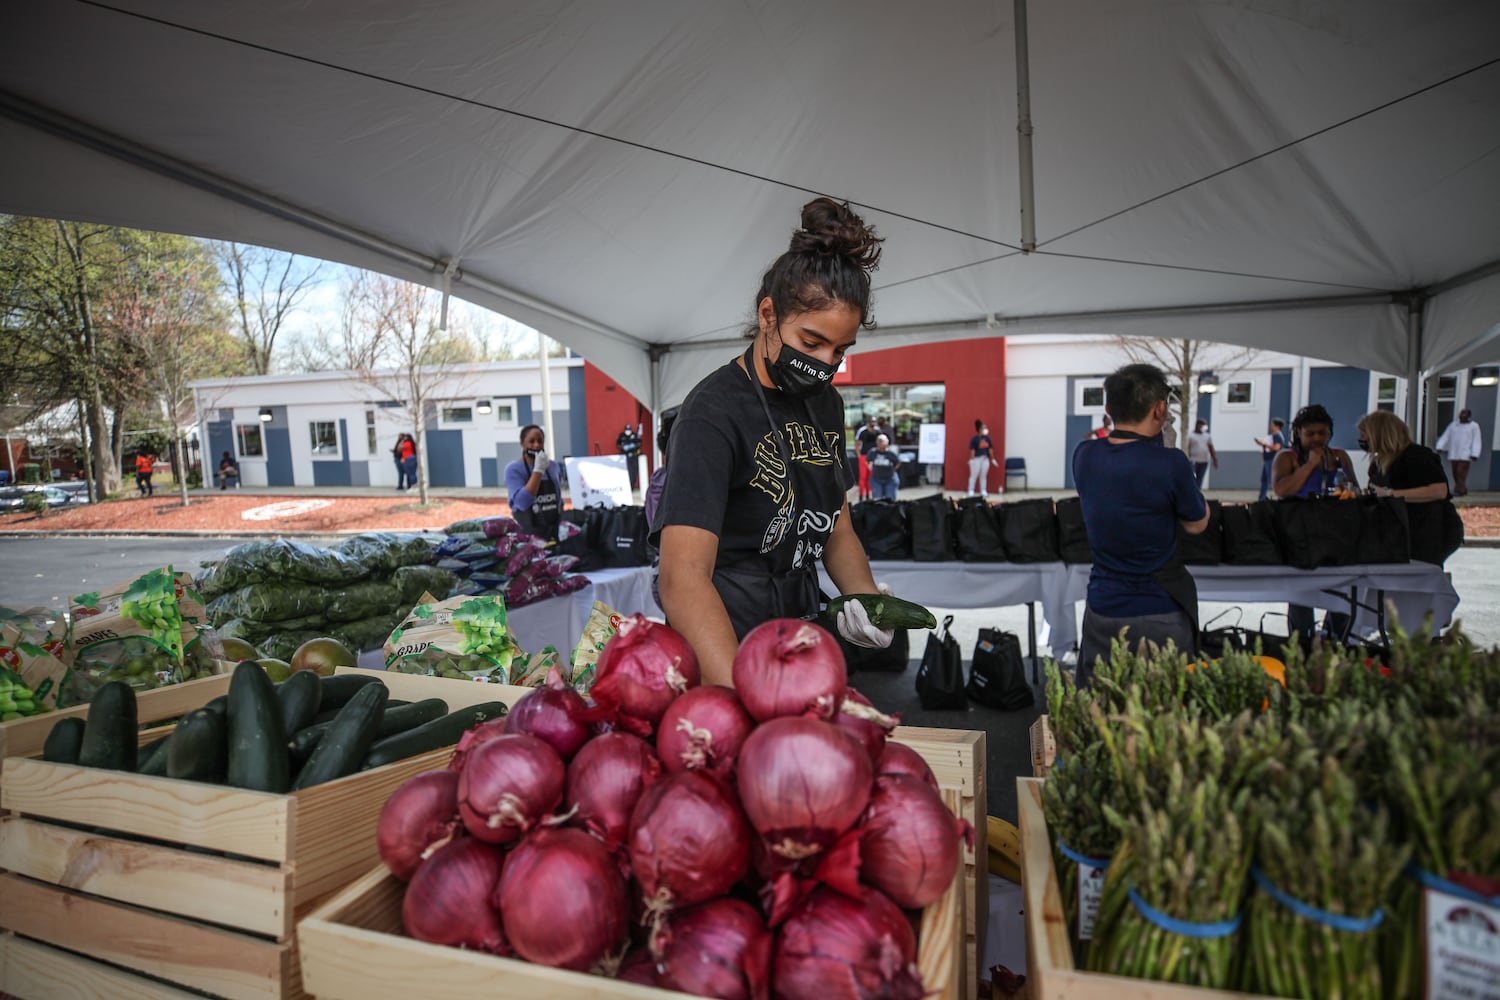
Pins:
x: 258, y: 757
x: 199, y: 747
x: 348, y: 739
x: 886, y: 611
x: 338, y: 689
x: 219, y: 704
x: 153, y: 757
x: 300, y: 696
x: 301, y: 746
x: 434, y: 735
x: 404, y: 717
x: 109, y: 735
x: 64, y: 741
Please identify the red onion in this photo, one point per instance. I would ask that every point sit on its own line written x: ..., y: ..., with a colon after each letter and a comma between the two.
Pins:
x: 802, y: 783
x: 562, y: 899
x: 865, y: 722
x: 834, y: 946
x: 910, y: 844
x: 897, y: 758
x: 716, y: 949
x: 787, y: 666
x: 553, y: 714
x: 641, y: 670
x: 448, y: 899
x: 419, y: 817
x: 703, y: 728
x: 786, y: 883
x: 638, y: 967
x: 474, y: 738
x: 606, y: 780
x: 689, y: 841
x: 508, y: 786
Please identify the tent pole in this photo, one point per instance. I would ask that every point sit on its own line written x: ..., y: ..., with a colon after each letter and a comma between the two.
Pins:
x: 1023, y: 128
x: 1414, y: 366
x: 541, y: 343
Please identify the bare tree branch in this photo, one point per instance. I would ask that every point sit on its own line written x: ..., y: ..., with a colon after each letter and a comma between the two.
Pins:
x: 1184, y: 360
x: 268, y: 286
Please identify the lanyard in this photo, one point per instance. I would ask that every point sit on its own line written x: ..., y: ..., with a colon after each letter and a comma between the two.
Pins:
x: 786, y: 456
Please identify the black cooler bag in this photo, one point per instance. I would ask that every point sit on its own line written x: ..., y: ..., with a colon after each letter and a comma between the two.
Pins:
x: 1250, y: 535
x: 1030, y: 532
x: 1318, y: 532
x: 881, y: 527
x: 1207, y: 547
x: 979, y: 531
x: 931, y: 522
x: 1072, y: 533
x: 1384, y: 532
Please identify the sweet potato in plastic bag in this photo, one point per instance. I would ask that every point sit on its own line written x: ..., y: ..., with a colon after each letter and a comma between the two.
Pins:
x: 569, y: 584
x: 523, y: 591
x: 499, y: 527
x: 523, y: 556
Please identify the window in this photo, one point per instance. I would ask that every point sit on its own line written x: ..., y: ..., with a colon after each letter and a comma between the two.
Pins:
x: 1093, y: 395
x: 248, y: 438
x: 899, y: 408
x: 325, y: 438
x: 1385, y: 394
x: 505, y: 413
x: 1088, y: 396
x: 458, y: 414
x: 370, y: 430
x: 1239, y: 393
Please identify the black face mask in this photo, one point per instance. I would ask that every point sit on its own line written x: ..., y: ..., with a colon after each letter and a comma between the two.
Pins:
x: 799, y: 375
x: 1364, y: 445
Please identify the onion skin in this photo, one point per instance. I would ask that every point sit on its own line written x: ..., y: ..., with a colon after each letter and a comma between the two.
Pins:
x: 703, y: 728
x: 789, y: 667
x: 638, y: 967
x: 448, y: 899
x: 473, y: 739
x: 641, y: 671
x: 605, y: 782
x: 897, y: 758
x: 689, y: 841
x: 910, y: 845
x: 803, y: 783
x: 419, y: 817
x: 553, y: 714
x: 838, y: 948
x: 508, y: 786
x: 562, y: 899
x: 865, y: 723
x: 720, y: 948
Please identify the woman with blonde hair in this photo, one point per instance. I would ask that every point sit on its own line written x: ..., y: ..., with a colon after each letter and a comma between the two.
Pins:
x: 1399, y: 467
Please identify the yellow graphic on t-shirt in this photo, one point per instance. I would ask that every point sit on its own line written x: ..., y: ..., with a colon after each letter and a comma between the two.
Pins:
x: 770, y: 474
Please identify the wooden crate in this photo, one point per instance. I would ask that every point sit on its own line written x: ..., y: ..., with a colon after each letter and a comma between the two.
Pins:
x: 1043, y: 747
x: 352, y: 949
x: 1050, y: 973
x: 120, y: 867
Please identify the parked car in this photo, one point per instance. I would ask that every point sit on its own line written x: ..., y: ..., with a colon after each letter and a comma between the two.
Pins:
x: 14, y: 498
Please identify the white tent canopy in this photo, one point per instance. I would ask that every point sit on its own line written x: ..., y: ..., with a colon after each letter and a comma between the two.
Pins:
x: 1317, y: 176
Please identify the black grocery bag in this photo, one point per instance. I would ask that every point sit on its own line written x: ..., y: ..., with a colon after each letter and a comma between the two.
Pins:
x: 881, y: 527
x: 861, y: 659
x: 931, y: 521
x: 1072, y: 533
x: 940, y: 678
x: 1384, y: 531
x: 978, y: 531
x: 1250, y: 535
x: 1318, y: 532
x: 1207, y: 547
x: 1030, y: 531
x: 997, y: 673
x: 622, y: 536
x: 578, y: 535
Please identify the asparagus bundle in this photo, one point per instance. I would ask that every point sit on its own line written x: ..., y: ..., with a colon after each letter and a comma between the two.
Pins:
x: 1326, y: 862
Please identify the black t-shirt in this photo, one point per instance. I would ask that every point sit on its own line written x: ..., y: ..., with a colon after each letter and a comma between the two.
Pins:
x: 1419, y: 466
x: 883, y: 465
x: 728, y: 476
x: 867, y: 438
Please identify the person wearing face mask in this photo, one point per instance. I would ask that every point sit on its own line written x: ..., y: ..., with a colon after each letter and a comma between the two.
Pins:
x: 981, y: 452
x: 757, y: 493
x: 533, y: 484
x: 1401, y: 468
x: 1134, y: 492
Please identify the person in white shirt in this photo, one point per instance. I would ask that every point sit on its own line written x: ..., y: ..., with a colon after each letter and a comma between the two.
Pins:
x: 1462, y: 443
x: 1200, y: 451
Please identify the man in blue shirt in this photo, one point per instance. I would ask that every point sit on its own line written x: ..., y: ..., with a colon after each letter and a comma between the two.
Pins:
x: 1270, y: 447
x: 1134, y: 492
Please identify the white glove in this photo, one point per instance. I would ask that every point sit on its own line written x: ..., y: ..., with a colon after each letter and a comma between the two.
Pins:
x: 539, y: 462
x: 854, y: 625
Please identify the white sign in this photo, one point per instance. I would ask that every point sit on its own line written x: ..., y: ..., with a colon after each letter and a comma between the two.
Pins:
x: 1463, y: 948
x: 595, y: 480
x: 1090, y: 891
x: 286, y: 508
x: 931, y: 440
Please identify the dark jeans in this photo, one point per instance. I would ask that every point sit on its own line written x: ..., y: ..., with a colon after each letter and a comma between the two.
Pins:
x: 1265, y: 476
x: 143, y: 484
x: 1200, y: 469
x: 1460, y: 476
x: 884, y: 489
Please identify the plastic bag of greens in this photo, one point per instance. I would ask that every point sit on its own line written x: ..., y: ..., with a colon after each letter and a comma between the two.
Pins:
x: 363, y: 600
x: 466, y: 636
x: 602, y: 624
x: 281, y: 645
x: 279, y: 560
x: 380, y: 552
x: 271, y: 602
x: 367, y: 633
x: 473, y: 525
x: 413, y: 581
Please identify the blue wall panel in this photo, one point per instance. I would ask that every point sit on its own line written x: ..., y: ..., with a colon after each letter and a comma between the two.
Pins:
x: 328, y: 473
x: 1345, y: 394
x: 577, y: 436
x: 489, y: 473
x: 1078, y: 428
x: 220, y: 440
x: 523, y: 410
x: 278, y: 442
x: 1281, y: 396
x: 445, y: 458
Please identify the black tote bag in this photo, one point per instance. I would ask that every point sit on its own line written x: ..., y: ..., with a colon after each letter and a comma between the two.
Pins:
x: 1384, y: 530
x: 1072, y: 533
x: 578, y: 535
x: 1317, y: 532
x: 1250, y: 535
x: 940, y: 678
x: 1030, y: 531
x: 978, y: 531
x: 997, y: 673
x: 622, y: 536
x: 1207, y: 547
x: 881, y: 527
x: 931, y: 521
x: 893, y: 659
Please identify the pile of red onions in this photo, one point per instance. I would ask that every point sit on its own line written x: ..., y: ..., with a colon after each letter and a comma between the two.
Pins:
x: 582, y: 846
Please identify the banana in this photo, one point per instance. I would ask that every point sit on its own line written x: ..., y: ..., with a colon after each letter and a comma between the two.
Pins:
x: 1003, y: 838
x: 1004, y: 866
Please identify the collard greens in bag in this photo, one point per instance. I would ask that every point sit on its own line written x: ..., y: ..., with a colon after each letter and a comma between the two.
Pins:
x: 462, y: 637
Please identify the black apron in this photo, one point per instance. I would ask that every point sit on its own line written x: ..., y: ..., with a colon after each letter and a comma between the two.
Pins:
x: 542, y: 517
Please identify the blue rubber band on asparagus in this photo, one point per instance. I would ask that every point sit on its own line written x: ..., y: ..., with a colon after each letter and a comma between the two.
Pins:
x: 1082, y: 859
x: 1441, y: 884
x: 1338, y: 921
x: 1218, y: 929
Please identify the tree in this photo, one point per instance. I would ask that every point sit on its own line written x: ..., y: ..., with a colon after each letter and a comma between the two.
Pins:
x: 267, y: 286
x: 1184, y: 360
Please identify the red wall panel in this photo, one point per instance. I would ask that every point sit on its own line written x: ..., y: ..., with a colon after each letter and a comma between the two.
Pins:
x: 610, y: 408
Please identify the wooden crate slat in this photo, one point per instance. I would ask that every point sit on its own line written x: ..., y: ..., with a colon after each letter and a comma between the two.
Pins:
x: 32, y: 970
x: 941, y: 948
x: 240, y: 894
x: 24, y: 737
x: 253, y: 824
x: 220, y: 962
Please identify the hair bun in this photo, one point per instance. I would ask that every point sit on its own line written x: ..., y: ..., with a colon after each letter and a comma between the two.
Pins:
x: 831, y: 227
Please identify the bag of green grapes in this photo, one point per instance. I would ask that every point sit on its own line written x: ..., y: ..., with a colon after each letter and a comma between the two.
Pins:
x: 133, y: 632
x: 604, y: 622
x: 463, y: 638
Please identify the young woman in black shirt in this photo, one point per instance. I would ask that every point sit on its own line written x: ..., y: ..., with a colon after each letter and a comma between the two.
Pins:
x: 1399, y: 467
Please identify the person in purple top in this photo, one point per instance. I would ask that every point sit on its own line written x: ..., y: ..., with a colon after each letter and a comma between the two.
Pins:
x: 981, y: 454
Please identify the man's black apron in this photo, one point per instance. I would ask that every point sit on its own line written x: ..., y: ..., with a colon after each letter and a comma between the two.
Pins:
x: 542, y: 517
